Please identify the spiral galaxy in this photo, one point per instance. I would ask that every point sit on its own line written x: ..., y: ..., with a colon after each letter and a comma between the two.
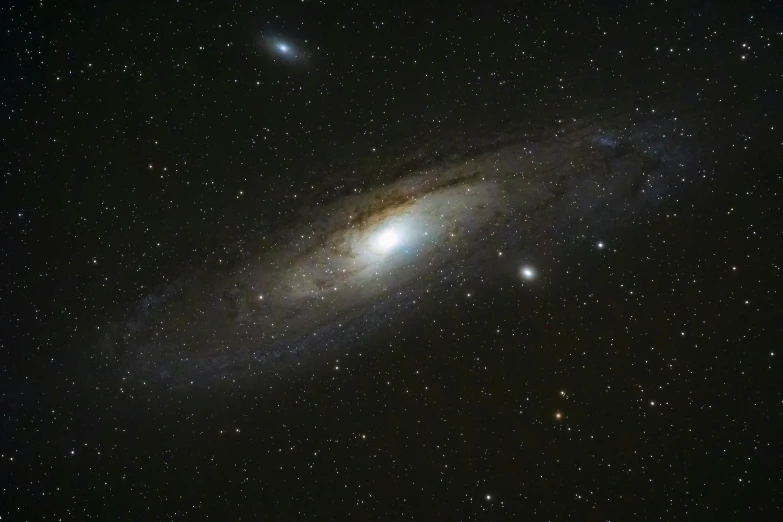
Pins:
x: 371, y: 257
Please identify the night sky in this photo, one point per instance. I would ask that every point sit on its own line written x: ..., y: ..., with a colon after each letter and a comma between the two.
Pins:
x: 324, y: 260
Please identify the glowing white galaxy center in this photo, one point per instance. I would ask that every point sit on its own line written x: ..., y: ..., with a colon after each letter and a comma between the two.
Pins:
x: 388, y: 239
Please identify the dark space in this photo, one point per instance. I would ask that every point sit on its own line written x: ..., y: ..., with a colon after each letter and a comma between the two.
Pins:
x: 326, y: 260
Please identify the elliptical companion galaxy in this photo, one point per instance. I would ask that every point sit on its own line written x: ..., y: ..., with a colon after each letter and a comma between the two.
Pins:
x: 367, y: 259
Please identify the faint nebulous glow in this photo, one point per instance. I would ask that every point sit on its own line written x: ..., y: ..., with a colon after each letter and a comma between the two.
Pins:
x: 388, y: 239
x: 528, y: 272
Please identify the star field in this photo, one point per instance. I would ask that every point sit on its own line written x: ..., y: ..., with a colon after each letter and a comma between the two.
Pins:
x: 392, y: 261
